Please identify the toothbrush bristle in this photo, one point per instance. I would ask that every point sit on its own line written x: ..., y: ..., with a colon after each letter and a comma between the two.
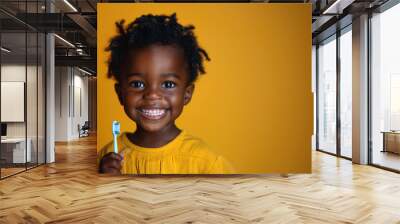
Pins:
x: 116, y: 127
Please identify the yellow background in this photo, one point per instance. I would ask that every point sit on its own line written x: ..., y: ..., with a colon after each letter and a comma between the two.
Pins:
x: 254, y: 104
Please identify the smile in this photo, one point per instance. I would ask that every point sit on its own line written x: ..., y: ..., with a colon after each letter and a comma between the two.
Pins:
x: 152, y: 114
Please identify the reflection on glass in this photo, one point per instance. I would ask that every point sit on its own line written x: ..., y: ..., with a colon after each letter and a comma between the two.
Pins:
x: 346, y: 94
x: 386, y: 89
x: 327, y: 96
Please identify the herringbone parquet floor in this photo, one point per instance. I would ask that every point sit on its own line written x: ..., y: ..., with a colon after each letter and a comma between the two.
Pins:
x: 71, y: 191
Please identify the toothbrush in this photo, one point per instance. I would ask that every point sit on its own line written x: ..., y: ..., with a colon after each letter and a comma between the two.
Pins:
x: 115, y: 132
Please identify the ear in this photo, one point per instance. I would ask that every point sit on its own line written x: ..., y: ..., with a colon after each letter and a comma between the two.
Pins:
x: 117, y: 89
x: 188, y: 94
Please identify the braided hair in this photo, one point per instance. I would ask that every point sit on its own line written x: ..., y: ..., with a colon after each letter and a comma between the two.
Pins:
x: 151, y: 29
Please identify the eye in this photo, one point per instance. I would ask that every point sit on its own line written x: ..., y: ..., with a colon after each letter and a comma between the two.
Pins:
x: 137, y: 84
x: 168, y: 84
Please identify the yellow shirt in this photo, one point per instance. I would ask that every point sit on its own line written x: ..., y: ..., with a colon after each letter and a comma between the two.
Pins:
x: 183, y: 155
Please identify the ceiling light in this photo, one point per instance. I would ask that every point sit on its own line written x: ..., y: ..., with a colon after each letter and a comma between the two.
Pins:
x: 338, y: 6
x: 64, y: 40
x: 84, y: 71
x: 70, y: 5
x: 5, y: 50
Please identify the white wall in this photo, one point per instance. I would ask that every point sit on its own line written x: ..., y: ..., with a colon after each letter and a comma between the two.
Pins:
x: 80, y: 84
x: 71, y: 87
x: 16, y: 73
x: 61, y: 103
x: 33, y: 127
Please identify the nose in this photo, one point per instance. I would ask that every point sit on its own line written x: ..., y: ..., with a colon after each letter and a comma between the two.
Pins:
x: 152, y: 93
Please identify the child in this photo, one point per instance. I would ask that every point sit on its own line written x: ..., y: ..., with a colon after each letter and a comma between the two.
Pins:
x: 155, y: 61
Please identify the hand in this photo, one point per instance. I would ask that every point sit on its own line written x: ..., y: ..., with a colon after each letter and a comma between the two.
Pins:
x: 111, y: 163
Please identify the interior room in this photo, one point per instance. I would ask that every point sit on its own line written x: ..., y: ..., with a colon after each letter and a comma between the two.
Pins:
x: 49, y: 164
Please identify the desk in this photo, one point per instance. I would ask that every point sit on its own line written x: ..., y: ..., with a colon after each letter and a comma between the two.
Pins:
x: 13, y: 150
x: 391, y: 141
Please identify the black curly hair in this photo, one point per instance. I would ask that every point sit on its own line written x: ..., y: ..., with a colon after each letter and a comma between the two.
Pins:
x: 151, y: 29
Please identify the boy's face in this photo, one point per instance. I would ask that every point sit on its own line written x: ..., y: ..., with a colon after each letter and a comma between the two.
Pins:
x: 153, y: 87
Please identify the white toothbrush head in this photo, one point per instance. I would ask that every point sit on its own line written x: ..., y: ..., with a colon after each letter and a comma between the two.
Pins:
x: 116, y: 128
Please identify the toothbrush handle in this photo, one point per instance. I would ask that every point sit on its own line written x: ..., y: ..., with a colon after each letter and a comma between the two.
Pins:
x: 115, y: 144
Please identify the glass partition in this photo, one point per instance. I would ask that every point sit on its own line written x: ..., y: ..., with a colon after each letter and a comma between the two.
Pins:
x: 31, y: 100
x: 22, y: 89
x: 14, y: 154
x: 41, y: 85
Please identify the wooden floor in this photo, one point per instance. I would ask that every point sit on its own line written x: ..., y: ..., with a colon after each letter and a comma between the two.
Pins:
x: 71, y: 191
x: 5, y: 172
x: 10, y: 171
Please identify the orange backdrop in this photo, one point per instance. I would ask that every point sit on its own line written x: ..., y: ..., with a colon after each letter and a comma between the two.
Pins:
x: 254, y: 105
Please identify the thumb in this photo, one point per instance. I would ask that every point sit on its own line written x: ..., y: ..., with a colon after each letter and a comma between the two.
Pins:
x: 122, y: 154
x: 122, y: 162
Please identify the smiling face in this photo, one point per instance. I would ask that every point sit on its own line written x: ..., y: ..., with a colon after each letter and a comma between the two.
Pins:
x: 153, y: 87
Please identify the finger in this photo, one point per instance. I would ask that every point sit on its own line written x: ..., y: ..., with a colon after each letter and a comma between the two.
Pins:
x: 116, y: 156
x: 111, y: 171
x: 113, y: 163
x: 122, y: 154
x: 116, y: 164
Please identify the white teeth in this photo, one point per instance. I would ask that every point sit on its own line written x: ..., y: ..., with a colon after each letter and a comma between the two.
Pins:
x: 153, y: 112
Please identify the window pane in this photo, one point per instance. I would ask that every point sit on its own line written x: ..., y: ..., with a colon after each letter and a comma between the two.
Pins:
x: 327, y: 96
x: 314, y: 91
x: 346, y: 94
x: 385, y: 88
